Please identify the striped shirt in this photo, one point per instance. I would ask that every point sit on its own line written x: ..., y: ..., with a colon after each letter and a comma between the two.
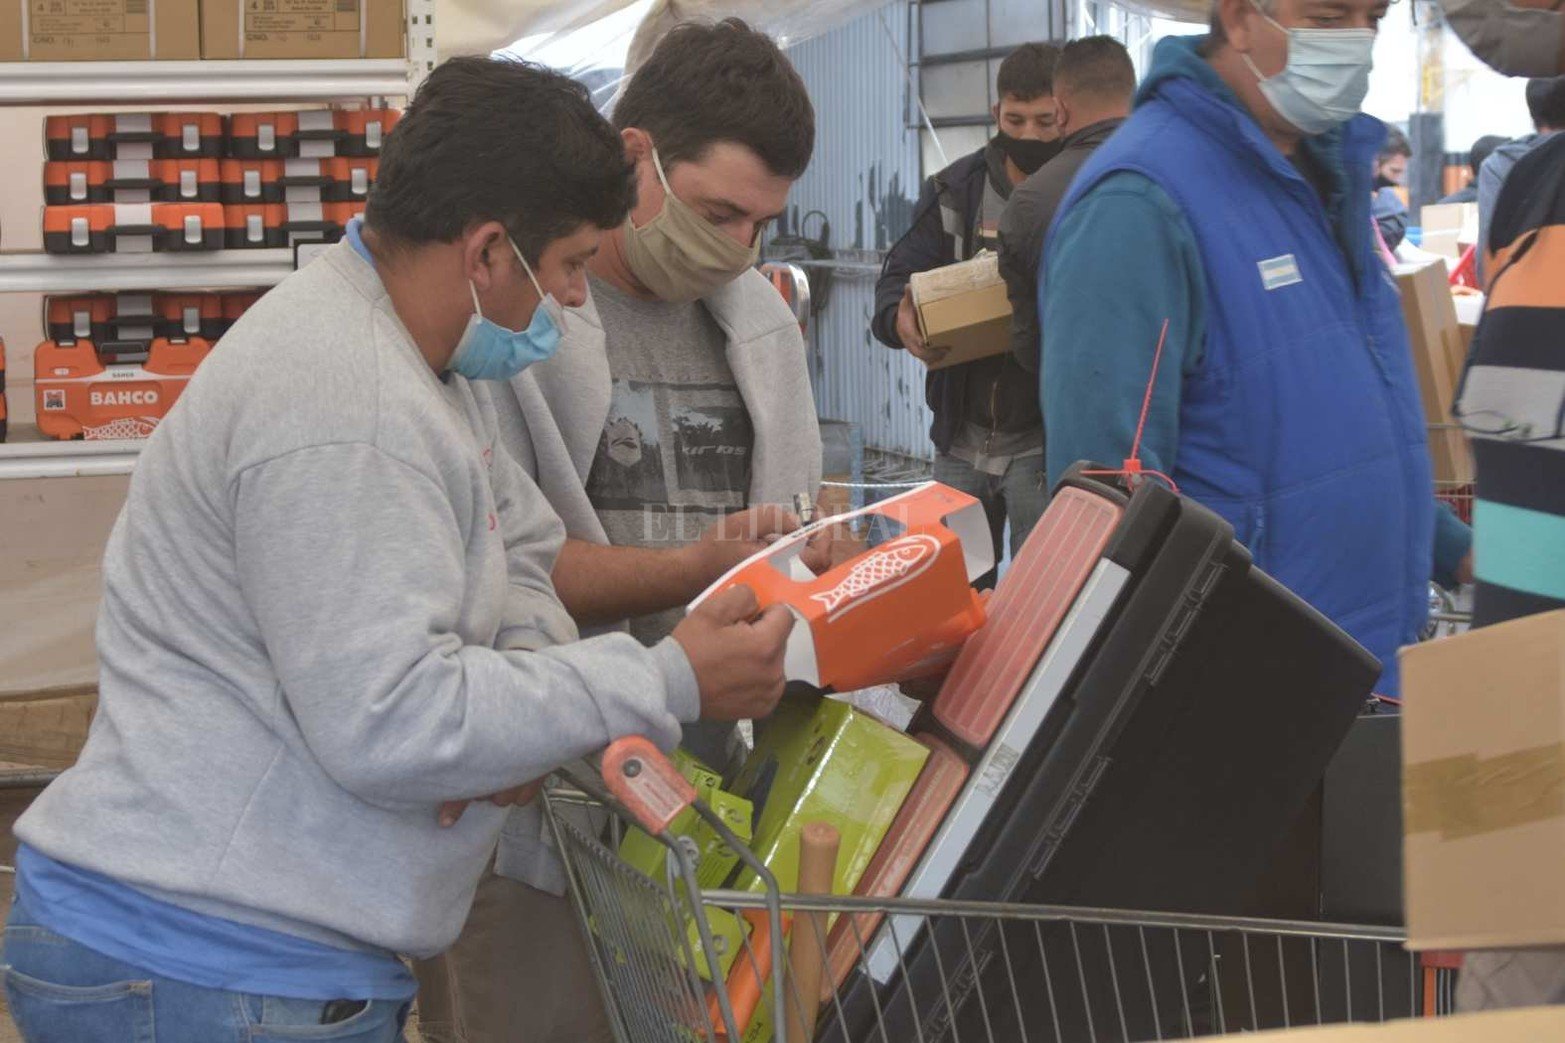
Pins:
x: 1512, y: 399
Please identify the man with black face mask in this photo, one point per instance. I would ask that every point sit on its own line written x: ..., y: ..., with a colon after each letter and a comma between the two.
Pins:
x: 987, y: 431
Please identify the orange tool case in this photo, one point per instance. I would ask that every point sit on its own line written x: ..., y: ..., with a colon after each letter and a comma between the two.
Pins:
x: 78, y: 137
x: 135, y: 135
x: 131, y: 181
x: 235, y: 305
x: 132, y: 228
x: 308, y: 134
x: 272, y: 225
x: 252, y: 181
x: 336, y: 180
x: 189, y: 315
x: 119, y: 391
x: 188, y: 135
x: 104, y: 317
x: 363, y: 131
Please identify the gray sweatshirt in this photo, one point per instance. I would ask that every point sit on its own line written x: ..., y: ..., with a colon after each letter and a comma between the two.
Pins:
x: 313, y: 603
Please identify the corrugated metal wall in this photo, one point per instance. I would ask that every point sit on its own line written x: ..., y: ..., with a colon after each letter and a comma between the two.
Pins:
x: 865, y: 179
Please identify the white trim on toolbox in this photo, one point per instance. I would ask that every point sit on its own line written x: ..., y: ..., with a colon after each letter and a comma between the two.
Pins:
x: 977, y: 800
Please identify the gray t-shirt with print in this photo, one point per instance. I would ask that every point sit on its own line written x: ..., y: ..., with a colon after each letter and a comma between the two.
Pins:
x: 675, y: 454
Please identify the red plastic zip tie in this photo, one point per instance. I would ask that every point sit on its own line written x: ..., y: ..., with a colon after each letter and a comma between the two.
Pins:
x: 1131, y: 469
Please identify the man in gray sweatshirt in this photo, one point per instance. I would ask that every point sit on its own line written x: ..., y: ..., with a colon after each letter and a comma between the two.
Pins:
x: 670, y: 433
x: 327, y: 613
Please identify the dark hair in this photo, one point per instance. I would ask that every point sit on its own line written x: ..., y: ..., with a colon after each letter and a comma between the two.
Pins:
x: 1027, y: 72
x: 1396, y: 145
x: 489, y: 139
x: 705, y: 84
x: 1481, y: 150
x: 1546, y: 102
x: 1096, y: 66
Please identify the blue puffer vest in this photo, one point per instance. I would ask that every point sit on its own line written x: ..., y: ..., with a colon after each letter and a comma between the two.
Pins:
x: 1303, y: 426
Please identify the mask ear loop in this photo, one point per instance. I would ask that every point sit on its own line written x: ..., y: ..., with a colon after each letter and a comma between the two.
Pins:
x: 657, y: 164
x: 1250, y: 62
x: 517, y: 250
x: 556, y: 313
x: 474, y: 291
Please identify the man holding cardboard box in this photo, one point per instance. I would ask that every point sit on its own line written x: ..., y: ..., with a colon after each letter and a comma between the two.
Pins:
x: 1285, y: 397
x: 987, y: 432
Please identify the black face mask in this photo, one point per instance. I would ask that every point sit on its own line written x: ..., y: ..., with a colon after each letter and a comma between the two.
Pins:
x: 1028, y: 154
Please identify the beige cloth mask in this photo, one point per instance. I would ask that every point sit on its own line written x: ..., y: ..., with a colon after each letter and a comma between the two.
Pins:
x: 680, y: 255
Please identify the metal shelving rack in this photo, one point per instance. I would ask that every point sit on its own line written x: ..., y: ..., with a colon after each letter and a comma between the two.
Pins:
x: 154, y: 83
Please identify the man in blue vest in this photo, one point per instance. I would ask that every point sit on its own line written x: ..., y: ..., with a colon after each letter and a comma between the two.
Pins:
x: 1234, y: 204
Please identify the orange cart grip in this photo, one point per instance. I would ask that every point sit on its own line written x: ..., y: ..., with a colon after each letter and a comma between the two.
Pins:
x: 646, y: 782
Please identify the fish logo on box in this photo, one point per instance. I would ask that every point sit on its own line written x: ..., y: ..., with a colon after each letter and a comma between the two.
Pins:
x: 880, y: 572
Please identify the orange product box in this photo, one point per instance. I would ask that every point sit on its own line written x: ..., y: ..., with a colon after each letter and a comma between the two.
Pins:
x: 899, y: 611
x: 121, y: 392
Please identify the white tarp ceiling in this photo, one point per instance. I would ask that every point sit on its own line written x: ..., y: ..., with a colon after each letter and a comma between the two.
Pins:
x: 483, y: 26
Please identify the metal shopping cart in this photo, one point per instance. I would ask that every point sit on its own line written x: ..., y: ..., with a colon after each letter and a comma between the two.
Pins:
x: 672, y: 969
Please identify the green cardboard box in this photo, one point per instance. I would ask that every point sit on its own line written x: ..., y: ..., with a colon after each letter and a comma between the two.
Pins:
x: 820, y: 760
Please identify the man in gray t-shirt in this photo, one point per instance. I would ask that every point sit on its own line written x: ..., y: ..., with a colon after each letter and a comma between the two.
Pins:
x: 674, y: 456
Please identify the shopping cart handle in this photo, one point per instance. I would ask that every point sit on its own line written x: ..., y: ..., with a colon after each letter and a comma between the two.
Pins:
x: 646, y: 782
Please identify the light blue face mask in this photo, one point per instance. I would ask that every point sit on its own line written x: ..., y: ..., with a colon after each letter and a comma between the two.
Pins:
x: 1326, y: 77
x: 489, y: 351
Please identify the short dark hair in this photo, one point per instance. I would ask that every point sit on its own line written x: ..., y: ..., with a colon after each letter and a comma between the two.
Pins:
x: 1546, y: 102
x: 1027, y: 72
x: 489, y: 139
x: 1396, y: 145
x: 1482, y: 149
x: 1096, y: 66
x: 706, y: 84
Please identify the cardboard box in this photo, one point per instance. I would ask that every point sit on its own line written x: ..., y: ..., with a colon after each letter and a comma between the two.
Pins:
x: 1532, y: 1025
x: 1437, y: 357
x: 46, y: 731
x: 1449, y: 228
x: 1483, y: 753
x: 964, y: 308
x: 301, y: 29
x: 98, y: 30
x: 820, y: 760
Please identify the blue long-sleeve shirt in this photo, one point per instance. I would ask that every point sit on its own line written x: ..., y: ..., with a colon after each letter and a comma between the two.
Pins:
x: 1119, y: 263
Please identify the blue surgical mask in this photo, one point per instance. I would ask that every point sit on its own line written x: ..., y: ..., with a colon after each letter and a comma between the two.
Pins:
x: 489, y: 351
x: 1326, y: 77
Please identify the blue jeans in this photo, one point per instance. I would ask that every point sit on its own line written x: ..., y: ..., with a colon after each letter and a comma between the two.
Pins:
x: 1019, y: 496
x: 62, y: 992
